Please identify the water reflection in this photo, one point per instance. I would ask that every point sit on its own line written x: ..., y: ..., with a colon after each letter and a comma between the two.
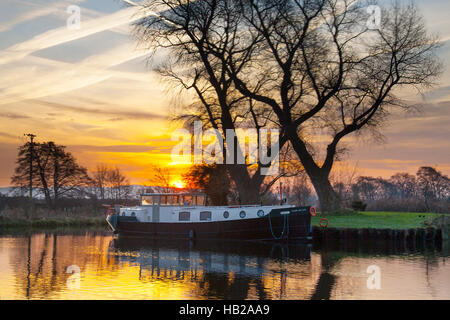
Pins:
x: 34, y: 266
x: 233, y: 270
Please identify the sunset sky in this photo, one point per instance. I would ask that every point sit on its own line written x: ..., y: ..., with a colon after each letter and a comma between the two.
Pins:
x: 92, y: 90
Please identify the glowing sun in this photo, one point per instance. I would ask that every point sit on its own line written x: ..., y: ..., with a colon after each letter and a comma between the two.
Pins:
x: 179, y: 184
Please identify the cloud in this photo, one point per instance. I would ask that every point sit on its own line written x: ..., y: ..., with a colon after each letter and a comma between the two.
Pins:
x: 437, y: 94
x: 133, y: 148
x: 62, y: 35
x: 122, y: 114
x: 13, y: 116
x: 8, y: 135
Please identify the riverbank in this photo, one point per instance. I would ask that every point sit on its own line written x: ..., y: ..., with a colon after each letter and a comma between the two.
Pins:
x: 377, y: 220
x: 382, y: 226
x: 54, y: 222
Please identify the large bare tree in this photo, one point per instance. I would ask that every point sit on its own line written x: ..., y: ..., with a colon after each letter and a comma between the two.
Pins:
x: 316, y: 68
x: 185, y: 30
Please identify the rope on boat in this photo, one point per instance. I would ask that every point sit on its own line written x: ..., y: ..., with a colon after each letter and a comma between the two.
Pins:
x: 285, y: 224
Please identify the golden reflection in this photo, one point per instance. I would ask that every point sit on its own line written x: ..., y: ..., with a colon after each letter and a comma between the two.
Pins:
x: 35, y: 266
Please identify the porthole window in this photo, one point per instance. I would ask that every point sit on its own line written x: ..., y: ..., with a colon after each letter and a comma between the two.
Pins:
x: 242, y: 214
x: 226, y: 214
x: 260, y: 213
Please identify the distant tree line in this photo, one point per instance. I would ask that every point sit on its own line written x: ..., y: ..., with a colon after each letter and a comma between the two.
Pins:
x: 426, y: 191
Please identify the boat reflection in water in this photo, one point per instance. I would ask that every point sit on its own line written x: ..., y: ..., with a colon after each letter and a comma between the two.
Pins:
x: 219, y: 269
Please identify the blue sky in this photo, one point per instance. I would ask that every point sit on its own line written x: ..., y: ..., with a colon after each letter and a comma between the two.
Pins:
x: 91, y: 89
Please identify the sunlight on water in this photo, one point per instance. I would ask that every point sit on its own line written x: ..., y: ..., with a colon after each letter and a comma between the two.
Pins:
x: 35, y: 266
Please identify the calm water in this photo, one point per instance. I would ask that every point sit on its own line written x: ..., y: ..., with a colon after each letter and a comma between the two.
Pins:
x: 46, y: 266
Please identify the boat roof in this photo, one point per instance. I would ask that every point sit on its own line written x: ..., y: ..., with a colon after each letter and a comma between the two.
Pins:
x: 174, y: 194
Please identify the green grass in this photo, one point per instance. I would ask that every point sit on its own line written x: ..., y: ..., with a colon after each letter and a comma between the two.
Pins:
x: 377, y: 220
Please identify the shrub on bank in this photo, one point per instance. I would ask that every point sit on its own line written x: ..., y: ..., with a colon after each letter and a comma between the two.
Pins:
x: 358, y: 205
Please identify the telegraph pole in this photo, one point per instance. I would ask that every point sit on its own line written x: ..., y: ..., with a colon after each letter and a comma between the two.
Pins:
x: 31, y: 136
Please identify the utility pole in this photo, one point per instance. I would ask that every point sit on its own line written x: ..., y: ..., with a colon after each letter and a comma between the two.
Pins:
x: 31, y: 136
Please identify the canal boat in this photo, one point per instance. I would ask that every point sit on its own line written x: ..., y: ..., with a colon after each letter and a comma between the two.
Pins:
x: 186, y: 216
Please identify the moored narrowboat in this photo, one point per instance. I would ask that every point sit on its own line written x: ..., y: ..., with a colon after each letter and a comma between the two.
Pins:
x: 186, y: 216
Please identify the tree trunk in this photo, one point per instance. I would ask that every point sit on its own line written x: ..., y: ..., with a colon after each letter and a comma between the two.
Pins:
x: 248, y: 188
x: 329, y: 200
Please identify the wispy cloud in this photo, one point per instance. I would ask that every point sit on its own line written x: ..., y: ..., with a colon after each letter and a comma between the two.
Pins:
x: 37, y: 10
x: 123, y: 114
x: 13, y: 116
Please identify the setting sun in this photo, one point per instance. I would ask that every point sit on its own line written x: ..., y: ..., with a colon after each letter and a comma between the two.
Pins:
x: 178, y: 184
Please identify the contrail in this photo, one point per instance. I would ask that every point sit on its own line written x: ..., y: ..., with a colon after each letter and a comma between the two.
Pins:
x: 61, y: 35
x: 131, y: 2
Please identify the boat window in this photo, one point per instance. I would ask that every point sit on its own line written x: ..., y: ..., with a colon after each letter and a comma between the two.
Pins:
x: 205, y: 215
x: 226, y: 214
x: 187, y: 200
x: 260, y: 213
x: 163, y: 200
x: 147, y: 200
x: 133, y: 214
x: 200, y: 200
x: 242, y: 214
x: 173, y: 200
x: 184, y: 216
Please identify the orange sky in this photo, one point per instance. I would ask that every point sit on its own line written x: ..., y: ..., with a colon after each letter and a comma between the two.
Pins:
x: 91, y: 90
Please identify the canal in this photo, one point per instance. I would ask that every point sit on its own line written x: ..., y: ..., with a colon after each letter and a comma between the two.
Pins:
x: 95, y: 265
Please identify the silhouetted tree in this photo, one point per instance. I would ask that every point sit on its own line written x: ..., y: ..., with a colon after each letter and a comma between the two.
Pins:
x: 100, y: 179
x: 110, y: 183
x: 186, y: 29
x: 55, y: 171
x: 299, y: 191
x: 162, y: 178
x: 432, y: 185
x: 212, y: 179
x: 405, y: 185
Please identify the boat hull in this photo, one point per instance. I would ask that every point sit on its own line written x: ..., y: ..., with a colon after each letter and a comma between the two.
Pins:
x: 277, y: 225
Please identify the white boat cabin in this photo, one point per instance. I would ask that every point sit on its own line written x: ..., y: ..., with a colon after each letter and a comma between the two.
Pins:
x: 185, y: 208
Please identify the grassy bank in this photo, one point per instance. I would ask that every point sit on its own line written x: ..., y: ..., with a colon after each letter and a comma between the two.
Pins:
x: 56, y: 222
x: 378, y: 220
x: 11, y: 218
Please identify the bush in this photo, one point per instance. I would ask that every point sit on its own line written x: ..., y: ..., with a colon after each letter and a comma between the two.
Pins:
x: 358, y: 205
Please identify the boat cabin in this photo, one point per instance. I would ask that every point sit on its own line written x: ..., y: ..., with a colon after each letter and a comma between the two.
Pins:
x: 173, y: 199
